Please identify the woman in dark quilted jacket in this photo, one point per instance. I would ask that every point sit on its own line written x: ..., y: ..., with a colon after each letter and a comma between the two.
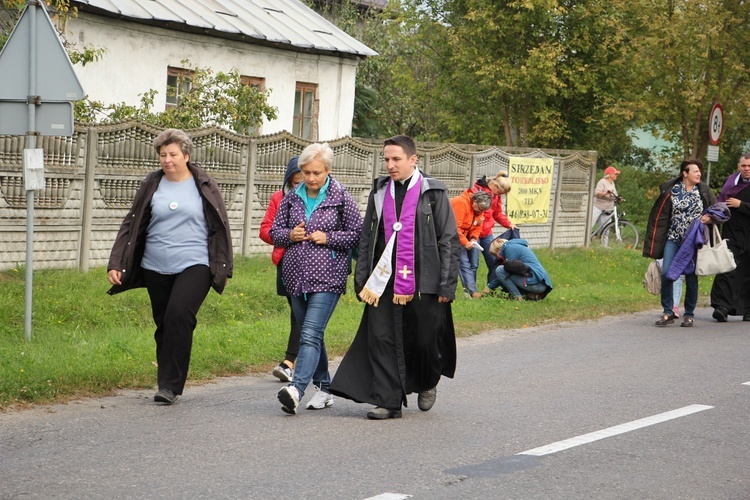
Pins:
x: 319, y: 224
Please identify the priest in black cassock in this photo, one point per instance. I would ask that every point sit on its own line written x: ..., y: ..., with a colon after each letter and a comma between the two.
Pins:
x: 406, y: 273
x: 730, y: 294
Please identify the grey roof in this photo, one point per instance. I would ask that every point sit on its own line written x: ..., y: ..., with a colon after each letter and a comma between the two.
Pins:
x: 287, y: 24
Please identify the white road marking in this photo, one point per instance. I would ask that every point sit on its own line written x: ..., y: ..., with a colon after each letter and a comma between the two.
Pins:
x: 390, y: 496
x: 613, y: 431
x: 746, y: 383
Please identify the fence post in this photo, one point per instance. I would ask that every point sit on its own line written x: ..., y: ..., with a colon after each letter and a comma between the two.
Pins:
x: 375, y: 168
x: 472, y: 170
x: 556, y: 204
x: 87, y: 208
x: 252, y: 158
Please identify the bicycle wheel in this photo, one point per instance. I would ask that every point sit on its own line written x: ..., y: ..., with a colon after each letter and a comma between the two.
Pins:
x: 629, y: 237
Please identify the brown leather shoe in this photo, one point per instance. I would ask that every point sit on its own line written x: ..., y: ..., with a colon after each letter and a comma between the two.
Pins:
x: 666, y: 319
x: 688, y: 321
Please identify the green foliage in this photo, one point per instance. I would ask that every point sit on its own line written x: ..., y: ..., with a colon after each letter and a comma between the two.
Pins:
x: 640, y: 188
x: 10, y: 13
x: 558, y: 74
x: 86, y: 342
x: 684, y: 56
x: 88, y: 54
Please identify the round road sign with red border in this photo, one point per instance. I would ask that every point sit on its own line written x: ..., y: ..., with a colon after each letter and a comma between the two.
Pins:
x: 716, y: 124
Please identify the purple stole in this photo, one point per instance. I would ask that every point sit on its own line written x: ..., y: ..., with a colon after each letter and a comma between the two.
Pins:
x: 404, y: 284
x: 399, y: 233
x: 732, y: 187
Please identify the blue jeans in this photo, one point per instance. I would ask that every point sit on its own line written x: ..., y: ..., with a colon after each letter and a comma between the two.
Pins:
x: 467, y: 269
x: 313, y: 311
x: 677, y: 290
x: 489, y: 259
x: 667, y: 287
x: 514, y: 283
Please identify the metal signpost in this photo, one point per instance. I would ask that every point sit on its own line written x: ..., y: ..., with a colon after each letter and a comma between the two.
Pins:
x: 37, y: 88
x: 715, y: 129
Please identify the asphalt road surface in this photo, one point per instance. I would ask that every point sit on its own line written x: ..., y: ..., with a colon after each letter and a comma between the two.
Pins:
x: 613, y: 408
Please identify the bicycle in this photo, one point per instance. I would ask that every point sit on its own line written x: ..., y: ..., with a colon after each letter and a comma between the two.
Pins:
x: 616, y: 230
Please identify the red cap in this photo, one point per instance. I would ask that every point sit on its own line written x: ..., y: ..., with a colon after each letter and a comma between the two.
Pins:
x: 610, y: 171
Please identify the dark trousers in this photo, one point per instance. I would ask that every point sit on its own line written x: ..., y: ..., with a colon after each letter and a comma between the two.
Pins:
x: 292, y: 346
x: 175, y: 301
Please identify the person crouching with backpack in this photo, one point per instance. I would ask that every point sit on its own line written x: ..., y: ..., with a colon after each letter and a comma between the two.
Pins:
x: 518, y: 270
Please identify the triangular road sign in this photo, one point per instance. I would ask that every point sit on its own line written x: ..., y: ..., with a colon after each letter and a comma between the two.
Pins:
x: 55, y: 79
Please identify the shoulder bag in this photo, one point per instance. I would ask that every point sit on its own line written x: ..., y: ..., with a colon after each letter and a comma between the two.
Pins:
x: 716, y: 259
x: 652, y: 279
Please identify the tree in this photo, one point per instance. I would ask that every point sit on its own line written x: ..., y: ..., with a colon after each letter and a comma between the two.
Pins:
x: 60, y: 10
x: 686, y: 55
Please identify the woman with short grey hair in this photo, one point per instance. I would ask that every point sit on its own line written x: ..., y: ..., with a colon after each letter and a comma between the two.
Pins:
x: 318, y: 223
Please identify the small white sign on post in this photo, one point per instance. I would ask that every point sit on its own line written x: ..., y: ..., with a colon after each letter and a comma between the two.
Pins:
x: 33, y: 169
x: 713, y: 153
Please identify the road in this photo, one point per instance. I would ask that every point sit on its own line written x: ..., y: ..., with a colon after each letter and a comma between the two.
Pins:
x: 503, y: 428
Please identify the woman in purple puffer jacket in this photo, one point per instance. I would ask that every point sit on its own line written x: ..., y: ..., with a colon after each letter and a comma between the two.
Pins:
x: 318, y: 223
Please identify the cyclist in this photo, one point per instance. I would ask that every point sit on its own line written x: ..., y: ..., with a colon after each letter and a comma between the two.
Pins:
x: 605, y: 195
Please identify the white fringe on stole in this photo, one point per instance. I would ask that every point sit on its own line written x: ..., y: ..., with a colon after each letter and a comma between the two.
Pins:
x: 375, y: 286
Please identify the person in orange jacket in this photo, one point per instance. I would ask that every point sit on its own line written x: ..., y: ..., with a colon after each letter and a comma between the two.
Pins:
x: 293, y: 176
x: 469, y: 208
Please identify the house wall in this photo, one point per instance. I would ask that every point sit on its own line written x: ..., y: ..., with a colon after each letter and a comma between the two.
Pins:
x: 137, y: 57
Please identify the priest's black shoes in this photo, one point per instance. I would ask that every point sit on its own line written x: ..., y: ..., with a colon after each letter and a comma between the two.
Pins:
x: 426, y: 399
x: 383, y: 414
x: 720, y: 314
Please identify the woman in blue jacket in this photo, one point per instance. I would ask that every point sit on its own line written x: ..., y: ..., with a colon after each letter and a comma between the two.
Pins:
x: 318, y: 223
x: 530, y: 279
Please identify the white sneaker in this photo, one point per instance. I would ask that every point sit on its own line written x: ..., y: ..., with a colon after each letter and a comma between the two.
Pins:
x: 289, y: 399
x: 283, y: 373
x: 320, y: 400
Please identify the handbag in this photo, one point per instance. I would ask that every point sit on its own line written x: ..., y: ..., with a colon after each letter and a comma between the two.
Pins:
x: 716, y: 258
x: 652, y: 278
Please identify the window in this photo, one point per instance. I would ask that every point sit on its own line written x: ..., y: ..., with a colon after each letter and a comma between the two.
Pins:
x: 259, y: 84
x: 305, y: 111
x: 253, y: 81
x: 179, y: 81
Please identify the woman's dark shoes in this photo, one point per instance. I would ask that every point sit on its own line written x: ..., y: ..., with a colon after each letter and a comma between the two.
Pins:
x: 687, y: 322
x: 720, y: 314
x: 666, y: 319
x: 165, y: 396
x: 746, y: 317
x: 383, y: 414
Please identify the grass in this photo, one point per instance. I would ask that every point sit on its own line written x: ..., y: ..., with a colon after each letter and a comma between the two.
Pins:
x: 85, y: 342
